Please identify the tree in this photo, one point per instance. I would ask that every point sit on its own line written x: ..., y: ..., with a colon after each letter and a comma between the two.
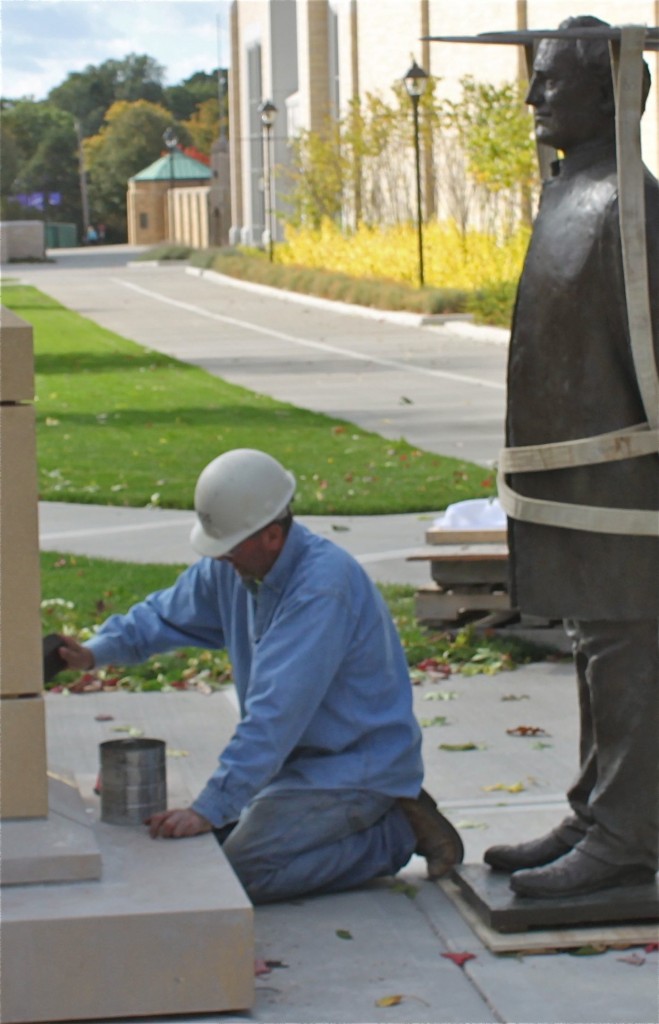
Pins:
x: 88, y: 94
x: 204, y: 125
x: 129, y: 140
x: 184, y: 99
x: 495, y: 136
x: 353, y: 171
x: 41, y: 158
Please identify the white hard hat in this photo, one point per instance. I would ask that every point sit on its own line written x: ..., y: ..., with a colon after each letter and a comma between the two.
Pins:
x: 236, y: 495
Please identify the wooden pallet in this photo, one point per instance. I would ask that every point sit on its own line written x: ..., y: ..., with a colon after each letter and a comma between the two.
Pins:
x: 469, y: 569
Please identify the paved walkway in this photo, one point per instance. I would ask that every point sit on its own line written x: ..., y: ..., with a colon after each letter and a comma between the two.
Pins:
x: 455, y: 384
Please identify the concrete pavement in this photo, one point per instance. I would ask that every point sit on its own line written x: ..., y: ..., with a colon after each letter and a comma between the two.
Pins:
x: 397, y: 942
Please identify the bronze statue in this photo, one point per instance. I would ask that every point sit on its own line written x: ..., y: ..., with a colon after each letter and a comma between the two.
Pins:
x: 572, y: 376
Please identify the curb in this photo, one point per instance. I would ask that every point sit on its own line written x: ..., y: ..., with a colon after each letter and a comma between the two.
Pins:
x: 458, y: 323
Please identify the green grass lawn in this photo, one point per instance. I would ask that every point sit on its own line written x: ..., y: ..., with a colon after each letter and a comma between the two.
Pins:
x: 119, y: 424
x: 79, y: 593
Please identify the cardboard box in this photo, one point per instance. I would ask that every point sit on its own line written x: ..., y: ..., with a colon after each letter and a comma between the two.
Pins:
x: 16, y: 358
x: 24, y: 792
x: 21, y: 666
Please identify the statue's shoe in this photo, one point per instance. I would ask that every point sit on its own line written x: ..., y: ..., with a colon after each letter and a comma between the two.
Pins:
x: 533, y: 854
x: 577, y: 874
x: 436, y: 838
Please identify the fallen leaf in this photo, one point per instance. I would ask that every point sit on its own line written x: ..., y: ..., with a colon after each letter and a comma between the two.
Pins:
x: 459, y: 958
x: 441, y: 695
x: 411, y: 891
x: 104, y: 718
x: 591, y: 950
x: 343, y: 934
x: 177, y: 753
x: 404, y: 400
x: 452, y: 747
x: 635, y: 959
x: 340, y: 529
x: 516, y: 696
x: 276, y: 963
x: 541, y: 746
x: 515, y: 787
x: 261, y: 967
x: 471, y: 824
x: 527, y: 730
x: 652, y: 947
x: 437, y: 720
x: 389, y: 1001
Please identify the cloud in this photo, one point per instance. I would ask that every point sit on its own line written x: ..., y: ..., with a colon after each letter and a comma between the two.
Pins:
x: 44, y: 40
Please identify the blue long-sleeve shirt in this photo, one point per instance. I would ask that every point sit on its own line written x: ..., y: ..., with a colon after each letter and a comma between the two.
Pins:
x: 322, y: 681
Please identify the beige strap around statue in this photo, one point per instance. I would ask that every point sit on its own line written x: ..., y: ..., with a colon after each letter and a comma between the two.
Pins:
x: 642, y: 439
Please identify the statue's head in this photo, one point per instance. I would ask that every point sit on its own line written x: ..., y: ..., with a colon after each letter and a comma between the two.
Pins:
x: 572, y: 88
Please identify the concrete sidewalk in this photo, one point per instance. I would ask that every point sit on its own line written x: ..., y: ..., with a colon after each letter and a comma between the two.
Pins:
x: 398, y: 934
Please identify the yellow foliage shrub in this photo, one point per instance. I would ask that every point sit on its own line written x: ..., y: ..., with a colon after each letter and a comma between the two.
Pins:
x: 451, y: 259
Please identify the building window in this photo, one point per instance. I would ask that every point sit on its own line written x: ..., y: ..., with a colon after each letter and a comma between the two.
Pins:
x: 144, y: 221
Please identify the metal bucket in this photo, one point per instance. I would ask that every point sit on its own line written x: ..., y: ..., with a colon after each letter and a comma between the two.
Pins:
x: 133, y: 780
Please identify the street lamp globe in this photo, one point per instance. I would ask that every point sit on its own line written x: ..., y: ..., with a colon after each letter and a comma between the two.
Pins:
x: 415, y: 81
x: 268, y: 113
x: 170, y: 138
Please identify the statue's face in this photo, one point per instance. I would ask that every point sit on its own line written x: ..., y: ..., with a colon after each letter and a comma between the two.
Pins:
x: 570, y: 103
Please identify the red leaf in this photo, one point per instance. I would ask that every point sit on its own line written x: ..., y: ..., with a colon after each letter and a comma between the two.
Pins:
x: 433, y: 665
x: 459, y: 958
x: 652, y: 947
x: 261, y: 967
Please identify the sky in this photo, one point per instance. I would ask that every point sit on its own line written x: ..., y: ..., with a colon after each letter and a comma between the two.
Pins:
x: 44, y: 40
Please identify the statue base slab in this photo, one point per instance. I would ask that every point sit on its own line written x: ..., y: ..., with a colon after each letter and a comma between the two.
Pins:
x: 489, y: 894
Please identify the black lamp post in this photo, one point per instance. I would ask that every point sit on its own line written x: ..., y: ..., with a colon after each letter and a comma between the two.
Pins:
x: 268, y: 112
x: 170, y: 138
x: 415, y: 82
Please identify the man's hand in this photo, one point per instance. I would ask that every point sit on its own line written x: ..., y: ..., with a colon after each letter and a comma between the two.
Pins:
x: 74, y: 654
x: 177, y: 824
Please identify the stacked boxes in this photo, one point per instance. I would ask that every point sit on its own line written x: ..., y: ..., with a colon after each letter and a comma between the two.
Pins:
x: 23, y: 779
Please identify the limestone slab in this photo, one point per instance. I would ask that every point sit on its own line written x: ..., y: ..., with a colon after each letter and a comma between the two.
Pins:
x: 59, y: 848
x: 16, y: 358
x: 21, y: 668
x: 23, y: 757
x: 167, y: 930
x: 489, y: 893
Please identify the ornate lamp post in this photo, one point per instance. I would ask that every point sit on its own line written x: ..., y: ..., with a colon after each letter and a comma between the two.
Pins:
x: 415, y: 82
x: 268, y: 112
x: 170, y: 138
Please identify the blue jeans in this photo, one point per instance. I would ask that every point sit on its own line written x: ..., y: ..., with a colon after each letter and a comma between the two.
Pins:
x: 291, y: 843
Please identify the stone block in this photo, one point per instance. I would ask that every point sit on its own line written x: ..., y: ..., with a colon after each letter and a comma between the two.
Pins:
x: 21, y: 663
x: 167, y: 931
x: 23, y: 757
x: 59, y: 848
x: 16, y: 358
x: 22, y: 240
